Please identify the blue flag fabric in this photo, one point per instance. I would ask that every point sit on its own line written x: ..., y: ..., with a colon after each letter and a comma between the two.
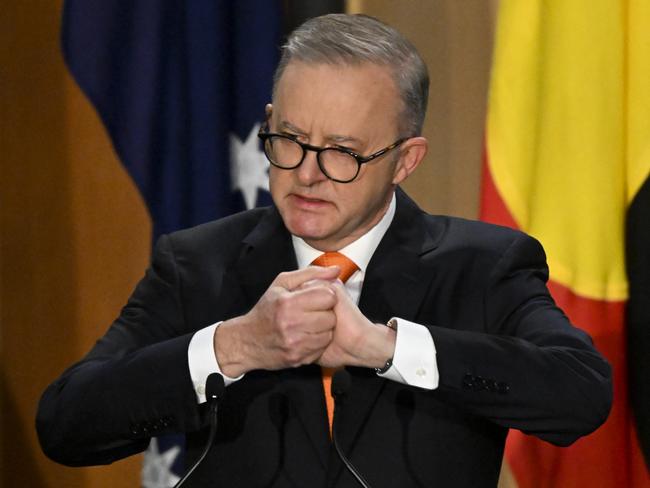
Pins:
x: 180, y: 86
x: 175, y: 82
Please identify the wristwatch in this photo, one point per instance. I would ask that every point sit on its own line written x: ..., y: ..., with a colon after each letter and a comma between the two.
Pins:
x: 392, y: 324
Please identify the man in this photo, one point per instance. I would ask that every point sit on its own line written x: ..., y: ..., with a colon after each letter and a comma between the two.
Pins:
x: 445, y: 325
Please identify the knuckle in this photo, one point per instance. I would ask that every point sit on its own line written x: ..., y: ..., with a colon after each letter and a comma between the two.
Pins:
x: 282, y: 300
x: 283, y: 276
x: 285, y: 338
x: 283, y: 310
x: 285, y: 326
x: 290, y: 343
x: 293, y: 358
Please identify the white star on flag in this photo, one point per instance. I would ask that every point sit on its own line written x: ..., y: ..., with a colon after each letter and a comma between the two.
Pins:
x: 249, y: 168
x: 157, y: 466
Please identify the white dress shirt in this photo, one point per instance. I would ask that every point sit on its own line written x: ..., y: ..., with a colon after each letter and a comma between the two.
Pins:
x: 414, y: 360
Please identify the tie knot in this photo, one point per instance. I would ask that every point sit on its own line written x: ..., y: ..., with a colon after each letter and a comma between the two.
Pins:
x: 337, y: 259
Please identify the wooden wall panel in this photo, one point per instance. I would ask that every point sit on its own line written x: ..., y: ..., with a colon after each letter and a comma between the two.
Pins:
x: 455, y: 40
x: 75, y: 239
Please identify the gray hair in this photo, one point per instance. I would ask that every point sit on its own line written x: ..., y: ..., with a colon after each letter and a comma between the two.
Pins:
x: 354, y: 39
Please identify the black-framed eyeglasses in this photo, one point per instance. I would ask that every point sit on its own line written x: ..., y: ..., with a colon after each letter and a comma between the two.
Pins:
x: 338, y: 164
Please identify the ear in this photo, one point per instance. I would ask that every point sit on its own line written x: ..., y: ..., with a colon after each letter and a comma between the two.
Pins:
x: 268, y: 110
x: 412, y: 152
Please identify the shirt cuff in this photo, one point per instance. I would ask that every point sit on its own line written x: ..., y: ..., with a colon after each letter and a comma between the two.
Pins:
x: 414, y: 361
x: 202, y: 361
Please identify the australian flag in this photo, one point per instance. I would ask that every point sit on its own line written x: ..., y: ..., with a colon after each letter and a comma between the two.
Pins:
x: 181, y: 87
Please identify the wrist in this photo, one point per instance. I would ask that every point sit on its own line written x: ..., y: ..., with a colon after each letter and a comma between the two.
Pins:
x: 380, y: 346
x: 229, y: 348
x: 391, y: 325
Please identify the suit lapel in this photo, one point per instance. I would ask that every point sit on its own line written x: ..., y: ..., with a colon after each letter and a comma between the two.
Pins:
x: 394, y: 285
x: 267, y: 252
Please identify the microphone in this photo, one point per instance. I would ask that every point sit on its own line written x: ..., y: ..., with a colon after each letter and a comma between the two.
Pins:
x: 214, y: 389
x: 340, y: 386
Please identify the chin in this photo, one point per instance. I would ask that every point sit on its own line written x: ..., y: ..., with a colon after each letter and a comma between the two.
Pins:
x: 307, y: 234
x: 306, y: 230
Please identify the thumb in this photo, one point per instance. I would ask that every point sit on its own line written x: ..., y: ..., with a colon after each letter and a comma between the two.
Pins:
x: 341, y: 292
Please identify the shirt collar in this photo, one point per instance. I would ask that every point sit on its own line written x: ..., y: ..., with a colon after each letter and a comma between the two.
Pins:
x: 359, y: 251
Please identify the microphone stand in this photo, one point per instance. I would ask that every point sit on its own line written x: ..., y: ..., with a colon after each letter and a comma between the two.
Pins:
x: 340, y: 386
x: 214, y: 388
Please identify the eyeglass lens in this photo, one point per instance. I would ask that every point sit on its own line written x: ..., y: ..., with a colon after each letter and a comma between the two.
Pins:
x: 288, y: 154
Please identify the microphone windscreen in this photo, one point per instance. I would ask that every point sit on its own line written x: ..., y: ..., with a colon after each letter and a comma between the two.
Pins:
x: 214, y: 386
x: 340, y: 383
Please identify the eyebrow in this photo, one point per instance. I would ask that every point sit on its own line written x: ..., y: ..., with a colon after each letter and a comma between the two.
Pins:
x: 331, y: 137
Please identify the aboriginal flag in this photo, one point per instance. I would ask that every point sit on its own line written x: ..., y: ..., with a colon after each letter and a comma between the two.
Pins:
x: 568, y: 160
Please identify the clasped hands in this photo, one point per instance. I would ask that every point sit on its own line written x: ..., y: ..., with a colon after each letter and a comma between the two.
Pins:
x: 304, y: 317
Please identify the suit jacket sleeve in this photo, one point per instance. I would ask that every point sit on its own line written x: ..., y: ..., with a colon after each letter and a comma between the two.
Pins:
x: 524, y: 365
x: 133, y: 384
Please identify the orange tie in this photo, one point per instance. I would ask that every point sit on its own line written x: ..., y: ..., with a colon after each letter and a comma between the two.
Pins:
x: 348, y: 268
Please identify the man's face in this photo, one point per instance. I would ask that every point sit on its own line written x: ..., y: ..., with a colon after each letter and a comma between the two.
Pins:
x: 354, y: 107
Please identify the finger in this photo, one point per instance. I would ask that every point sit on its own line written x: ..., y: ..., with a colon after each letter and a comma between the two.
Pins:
x: 319, y: 322
x: 318, y: 344
x: 309, y: 348
x: 315, y: 284
x: 314, y: 298
x: 291, y: 280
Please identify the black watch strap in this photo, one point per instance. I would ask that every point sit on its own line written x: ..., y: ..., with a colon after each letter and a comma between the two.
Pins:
x: 392, y: 324
x: 386, y: 367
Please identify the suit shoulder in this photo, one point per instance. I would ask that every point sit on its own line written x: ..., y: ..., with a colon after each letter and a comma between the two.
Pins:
x: 449, y: 232
x: 480, y: 237
x: 482, y: 250
x: 221, y: 233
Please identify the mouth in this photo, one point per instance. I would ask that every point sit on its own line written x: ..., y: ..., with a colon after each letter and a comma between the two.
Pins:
x: 309, y: 203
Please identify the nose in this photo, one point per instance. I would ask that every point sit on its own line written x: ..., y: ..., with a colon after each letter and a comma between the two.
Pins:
x: 309, y: 172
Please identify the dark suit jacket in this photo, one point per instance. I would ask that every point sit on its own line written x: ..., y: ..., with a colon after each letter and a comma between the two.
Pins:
x: 507, y: 356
